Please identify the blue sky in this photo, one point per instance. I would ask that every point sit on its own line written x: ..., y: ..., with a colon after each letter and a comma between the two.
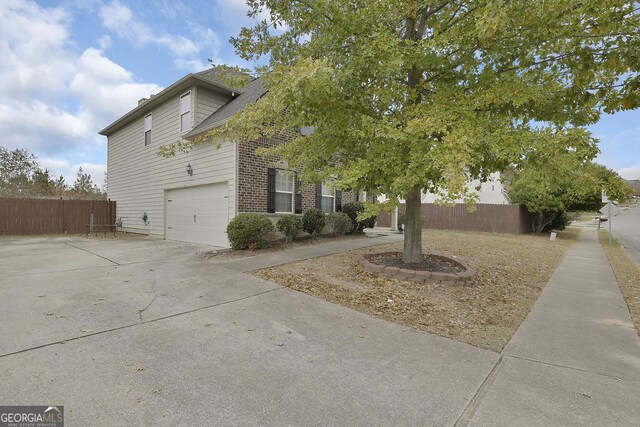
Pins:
x: 69, y: 68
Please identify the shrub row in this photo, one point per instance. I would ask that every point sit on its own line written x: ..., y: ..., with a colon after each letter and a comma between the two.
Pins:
x: 252, y: 231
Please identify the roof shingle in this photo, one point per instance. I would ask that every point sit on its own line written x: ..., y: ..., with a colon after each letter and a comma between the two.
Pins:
x: 250, y: 93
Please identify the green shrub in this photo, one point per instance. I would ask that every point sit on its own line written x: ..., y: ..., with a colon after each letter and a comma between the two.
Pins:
x: 559, y: 223
x: 339, y: 223
x: 353, y: 209
x: 249, y: 231
x: 290, y: 226
x: 313, y: 221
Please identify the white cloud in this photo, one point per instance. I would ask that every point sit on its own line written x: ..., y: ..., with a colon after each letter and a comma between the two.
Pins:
x: 236, y: 11
x: 105, y: 88
x: 173, y: 9
x: 33, y: 49
x: 53, y: 100
x: 104, y: 42
x: 119, y: 18
x: 60, y: 167
x: 632, y: 172
x: 191, y: 65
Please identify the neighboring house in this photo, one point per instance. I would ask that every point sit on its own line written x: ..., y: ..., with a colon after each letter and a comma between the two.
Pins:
x: 635, y: 183
x: 491, y: 192
x: 192, y: 196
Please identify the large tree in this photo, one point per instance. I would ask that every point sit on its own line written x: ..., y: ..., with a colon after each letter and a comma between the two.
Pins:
x: 17, y: 168
x: 84, y: 188
x: 408, y: 95
x: 551, y: 180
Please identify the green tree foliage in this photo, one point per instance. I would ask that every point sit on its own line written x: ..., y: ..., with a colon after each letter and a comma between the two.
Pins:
x: 17, y: 169
x: 408, y: 95
x: 60, y: 187
x: 551, y: 180
x: 21, y: 176
x: 82, y: 187
x: 42, y: 184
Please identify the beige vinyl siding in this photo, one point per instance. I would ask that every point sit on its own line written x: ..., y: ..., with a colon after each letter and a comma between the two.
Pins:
x: 206, y: 102
x: 138, y: 177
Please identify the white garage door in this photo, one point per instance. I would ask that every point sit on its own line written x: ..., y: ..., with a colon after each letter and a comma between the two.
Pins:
x: 198, y: 214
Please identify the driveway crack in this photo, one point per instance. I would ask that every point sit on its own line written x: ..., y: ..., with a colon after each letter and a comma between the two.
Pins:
x: 155, y: 295
x: 92, y: 253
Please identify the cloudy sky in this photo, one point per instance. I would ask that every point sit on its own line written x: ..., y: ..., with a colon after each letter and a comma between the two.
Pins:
x: 69, y: 68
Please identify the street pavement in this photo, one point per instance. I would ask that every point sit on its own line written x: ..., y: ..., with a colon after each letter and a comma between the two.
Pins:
x: 626, y: 228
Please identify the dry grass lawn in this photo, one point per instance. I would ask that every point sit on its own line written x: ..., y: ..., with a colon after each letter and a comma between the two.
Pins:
x: 510, y: 274
x: 627, y: 274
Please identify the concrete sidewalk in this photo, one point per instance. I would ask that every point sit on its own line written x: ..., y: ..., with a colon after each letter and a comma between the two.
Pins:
x: 575, y: 359
x: 283, y: 257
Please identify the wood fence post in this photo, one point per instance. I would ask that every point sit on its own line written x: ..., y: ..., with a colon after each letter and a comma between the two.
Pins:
x: 64, y: 224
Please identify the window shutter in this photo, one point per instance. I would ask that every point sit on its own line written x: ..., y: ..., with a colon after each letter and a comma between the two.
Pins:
x: 319, y: 195
x: 338, y: 201
x: 297, y: 196
x: 271, y: 190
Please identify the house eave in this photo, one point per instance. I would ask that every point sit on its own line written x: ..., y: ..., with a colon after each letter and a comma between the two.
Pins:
x: 179, y: 86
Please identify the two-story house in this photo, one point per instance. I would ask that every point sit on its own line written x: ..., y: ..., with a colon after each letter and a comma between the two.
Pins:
x: 192, y: 196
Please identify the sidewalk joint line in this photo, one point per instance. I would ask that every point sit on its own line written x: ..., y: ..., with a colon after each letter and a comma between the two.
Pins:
x: 96, y: 267
x: 473, y: 405
x: 557, y: 365
x: 131, y: 325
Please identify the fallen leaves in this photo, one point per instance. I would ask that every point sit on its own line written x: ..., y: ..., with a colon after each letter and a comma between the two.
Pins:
x: 510, y: 273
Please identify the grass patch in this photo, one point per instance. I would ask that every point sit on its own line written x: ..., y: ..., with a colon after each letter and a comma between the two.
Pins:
x: 627, y: 274
x: 510, y: 274
x: 588, y: 216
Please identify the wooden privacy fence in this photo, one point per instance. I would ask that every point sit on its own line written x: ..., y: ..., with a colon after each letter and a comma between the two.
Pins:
x: 514, y: 219
x: 53, y: 216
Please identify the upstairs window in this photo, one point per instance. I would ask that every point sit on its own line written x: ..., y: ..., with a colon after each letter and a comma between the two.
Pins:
x: 185, y: 112
x: 148, y: 123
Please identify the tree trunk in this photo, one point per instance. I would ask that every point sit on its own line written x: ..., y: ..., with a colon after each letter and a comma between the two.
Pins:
x: 413, y: 227
x: 540, y: 220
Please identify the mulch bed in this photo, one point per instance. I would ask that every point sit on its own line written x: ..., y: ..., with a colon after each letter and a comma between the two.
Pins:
x: 429, y: 263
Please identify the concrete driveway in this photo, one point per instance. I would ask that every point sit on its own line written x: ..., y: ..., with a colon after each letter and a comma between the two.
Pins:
x: 148, y: 332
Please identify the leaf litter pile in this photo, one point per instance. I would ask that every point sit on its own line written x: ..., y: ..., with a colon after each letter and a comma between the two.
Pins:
x: 510, y: 274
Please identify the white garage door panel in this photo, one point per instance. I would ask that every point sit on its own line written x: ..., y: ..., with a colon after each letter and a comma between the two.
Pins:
x: 198, y: 214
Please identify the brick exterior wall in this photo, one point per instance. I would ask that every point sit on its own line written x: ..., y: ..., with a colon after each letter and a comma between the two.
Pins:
x: 253, y: 180
x: 252, y: 175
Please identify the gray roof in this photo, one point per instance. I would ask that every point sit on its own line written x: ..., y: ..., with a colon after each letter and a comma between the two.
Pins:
x: 209, y: 78
x: 215, y: 76
x: 249, y: 94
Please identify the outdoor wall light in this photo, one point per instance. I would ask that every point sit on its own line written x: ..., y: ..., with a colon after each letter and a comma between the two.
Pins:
x: 189, y: 169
